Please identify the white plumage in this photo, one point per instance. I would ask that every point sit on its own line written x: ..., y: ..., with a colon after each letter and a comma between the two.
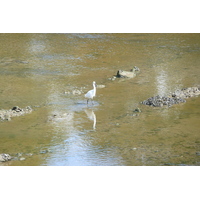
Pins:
x: 92, y: 93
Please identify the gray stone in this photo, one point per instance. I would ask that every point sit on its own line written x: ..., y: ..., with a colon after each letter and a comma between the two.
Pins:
x: 5, y: 157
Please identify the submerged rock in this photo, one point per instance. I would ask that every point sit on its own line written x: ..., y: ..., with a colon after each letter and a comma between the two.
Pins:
x: 177, y: 97
x: 14, y: 112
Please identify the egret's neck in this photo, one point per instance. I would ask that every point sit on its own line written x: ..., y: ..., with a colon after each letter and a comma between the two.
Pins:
x: 94, y: 86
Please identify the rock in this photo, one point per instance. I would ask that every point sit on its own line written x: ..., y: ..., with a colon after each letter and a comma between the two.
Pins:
x: 187, y: 92
x: 158, y: 101
x: 43, y: 151
x: 112, y: 78
x: 29, y: 154
x: 136, y: 69
x: 28, y: 108
x: 22, y: 158
x: 176, y: 97
x: 126, y: 74
x: 14, y: 112
x: 19, y: 154
x: 137, y: 110
x: 101, y: 86
x: 76, y: 91
x: 17, y: 109
x: 5, y: 157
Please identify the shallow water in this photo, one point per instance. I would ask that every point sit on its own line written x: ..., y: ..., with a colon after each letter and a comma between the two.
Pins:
x: 39, y: 69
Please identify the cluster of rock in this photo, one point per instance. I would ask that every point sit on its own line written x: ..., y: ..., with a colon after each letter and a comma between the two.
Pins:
x: 75, y: 92
x: 14, y: 112
x: 187, y: 92
x: 177, y: 97
x: 5, y: 157
x: 158, y: 101
x: 126, y: 74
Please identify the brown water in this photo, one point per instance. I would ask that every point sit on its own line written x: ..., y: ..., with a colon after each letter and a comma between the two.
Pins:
x: 37, y: 69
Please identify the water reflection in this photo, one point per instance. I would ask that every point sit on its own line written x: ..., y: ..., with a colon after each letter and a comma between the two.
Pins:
x: 91, y: 115
x: 162, y: 80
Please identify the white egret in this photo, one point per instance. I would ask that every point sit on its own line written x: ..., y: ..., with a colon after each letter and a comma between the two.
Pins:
x: 90, y: 94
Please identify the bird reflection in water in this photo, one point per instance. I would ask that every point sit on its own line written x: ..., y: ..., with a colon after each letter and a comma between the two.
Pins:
x: 91, y: 116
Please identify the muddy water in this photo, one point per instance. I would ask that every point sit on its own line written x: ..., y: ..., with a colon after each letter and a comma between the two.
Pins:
x: 38, y: 70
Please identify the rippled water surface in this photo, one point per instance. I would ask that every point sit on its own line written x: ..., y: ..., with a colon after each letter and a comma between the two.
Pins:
x: 40, y: 70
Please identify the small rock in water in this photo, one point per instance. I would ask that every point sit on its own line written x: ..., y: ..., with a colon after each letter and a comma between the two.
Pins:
x: 43, y: 151
x: 76, y: 91
x: 126, y: 74
x: 137, y: 110
x: 5, y: 157
x: 22, y: 158
x: 14, y: 112
x: 46, y: 151
x: 17, y: 109
x: 112, y: 78
x: 19, y: 154
x: 29, y: 154
x: 101, y: 86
